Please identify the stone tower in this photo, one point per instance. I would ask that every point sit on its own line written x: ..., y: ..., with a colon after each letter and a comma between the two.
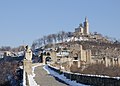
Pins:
x: 86, y: 27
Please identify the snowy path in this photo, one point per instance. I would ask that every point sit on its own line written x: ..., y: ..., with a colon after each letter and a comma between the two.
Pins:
x: 42, y: 78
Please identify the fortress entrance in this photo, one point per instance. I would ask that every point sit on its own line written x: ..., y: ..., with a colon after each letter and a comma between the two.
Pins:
x: 75, y: 56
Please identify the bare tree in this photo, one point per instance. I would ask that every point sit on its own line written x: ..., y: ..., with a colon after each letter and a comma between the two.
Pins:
x: 49, y: 39
x: 44, y: 40
x: 40, y: 42
x: 34, y: 44
x: 62, y: 34
x: 59, y: 37
x: 54, y: 36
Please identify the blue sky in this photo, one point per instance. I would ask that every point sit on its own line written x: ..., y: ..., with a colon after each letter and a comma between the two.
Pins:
x: 23, y: 21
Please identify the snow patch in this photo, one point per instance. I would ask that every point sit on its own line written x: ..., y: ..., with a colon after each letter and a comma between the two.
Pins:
x: 24, y: 79
x: 31, y: 80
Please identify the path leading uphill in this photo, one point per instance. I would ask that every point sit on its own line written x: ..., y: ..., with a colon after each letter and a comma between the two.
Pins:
x: 44, y: 79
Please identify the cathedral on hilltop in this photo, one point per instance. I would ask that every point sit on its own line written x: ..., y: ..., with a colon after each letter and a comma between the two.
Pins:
x: 83, y: 29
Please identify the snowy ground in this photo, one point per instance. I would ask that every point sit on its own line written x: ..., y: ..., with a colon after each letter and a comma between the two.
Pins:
x: 62, y: 77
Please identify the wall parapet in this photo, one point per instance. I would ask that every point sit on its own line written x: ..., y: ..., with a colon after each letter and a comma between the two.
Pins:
x: 87, y: 79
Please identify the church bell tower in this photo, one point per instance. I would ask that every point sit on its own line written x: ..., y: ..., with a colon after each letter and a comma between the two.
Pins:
x: 86, y: 26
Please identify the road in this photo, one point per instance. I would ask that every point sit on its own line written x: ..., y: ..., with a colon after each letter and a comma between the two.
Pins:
x: 44, y: 79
